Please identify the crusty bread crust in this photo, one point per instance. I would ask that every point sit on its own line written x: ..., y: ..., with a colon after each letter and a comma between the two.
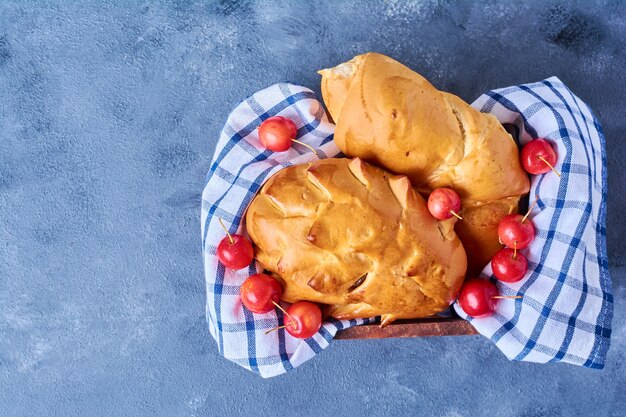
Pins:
x: 346, y: 233
x: 393, y: 117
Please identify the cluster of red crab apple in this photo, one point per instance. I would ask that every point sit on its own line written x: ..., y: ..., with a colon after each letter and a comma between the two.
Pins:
x: 261, y: 293
x: 479, y: 297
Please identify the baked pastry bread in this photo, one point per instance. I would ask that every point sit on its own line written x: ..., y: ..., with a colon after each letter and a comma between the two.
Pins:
x: 348, y: 234
x: 393, y: 117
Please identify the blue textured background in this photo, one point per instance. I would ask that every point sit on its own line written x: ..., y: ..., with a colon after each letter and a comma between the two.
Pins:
x: 109, y: 114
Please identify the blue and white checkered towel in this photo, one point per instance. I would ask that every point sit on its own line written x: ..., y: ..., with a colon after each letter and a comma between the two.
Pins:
x: 566, y: 310
x: 567, y: 306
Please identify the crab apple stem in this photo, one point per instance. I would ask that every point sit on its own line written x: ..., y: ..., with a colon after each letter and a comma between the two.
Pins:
x: 280, y: 308
x: 510, y: 297
x: 514, y: 250
x: 456, y: 215
x: 304, y: 144
x: 530, y: 209
x: 293, y: 322
x: 226, y: 230
x: 274, y: 329
x: 550, y: 165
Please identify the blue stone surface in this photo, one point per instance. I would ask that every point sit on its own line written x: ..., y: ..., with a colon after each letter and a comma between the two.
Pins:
x: 109, y: 114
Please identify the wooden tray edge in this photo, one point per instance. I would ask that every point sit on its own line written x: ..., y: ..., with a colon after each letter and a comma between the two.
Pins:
x: 410, y: 328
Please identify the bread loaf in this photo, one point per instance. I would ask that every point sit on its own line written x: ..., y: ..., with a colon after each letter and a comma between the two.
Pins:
x: 393, y: 117
x: 349, y: 234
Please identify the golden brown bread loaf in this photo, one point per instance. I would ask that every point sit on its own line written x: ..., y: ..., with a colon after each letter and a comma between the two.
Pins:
x: 349, y: 234
x: 393, y: 117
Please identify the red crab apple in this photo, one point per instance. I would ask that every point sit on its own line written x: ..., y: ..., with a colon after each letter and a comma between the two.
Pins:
x: 234, y: 251
x: 303, y: 319
x: 509, y: 265
x: 538, y: 157
x: 479, y: 297
x: 260, y: 293
x: 277, y: 133
x: 476, y: 297
x: 516, y: 231
x: 444, y: 203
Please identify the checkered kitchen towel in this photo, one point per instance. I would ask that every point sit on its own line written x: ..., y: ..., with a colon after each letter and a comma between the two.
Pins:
x: 567, y: 306
x: 566, y: 310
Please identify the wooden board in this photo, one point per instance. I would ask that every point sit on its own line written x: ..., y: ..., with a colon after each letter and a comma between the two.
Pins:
x: 410, y: 328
